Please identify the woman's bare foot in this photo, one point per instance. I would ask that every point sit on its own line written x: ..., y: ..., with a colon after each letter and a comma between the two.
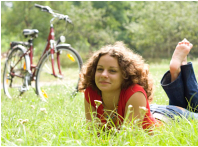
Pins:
x: 179, y: 58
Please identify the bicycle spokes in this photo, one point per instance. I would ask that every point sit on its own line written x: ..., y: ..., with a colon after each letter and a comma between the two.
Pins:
x: 71, y: 57
x: 65, y: 81
x: 8, y: 78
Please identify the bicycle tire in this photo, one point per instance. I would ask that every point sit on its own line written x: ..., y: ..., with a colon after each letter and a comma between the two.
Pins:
x: 13, y: 83
x: 49, y: 86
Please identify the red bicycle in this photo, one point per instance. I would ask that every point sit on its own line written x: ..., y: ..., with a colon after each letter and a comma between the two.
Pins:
x: 56, y: 72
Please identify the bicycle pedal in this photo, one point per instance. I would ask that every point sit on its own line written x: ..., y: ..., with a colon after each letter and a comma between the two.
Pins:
x: 23, y: 89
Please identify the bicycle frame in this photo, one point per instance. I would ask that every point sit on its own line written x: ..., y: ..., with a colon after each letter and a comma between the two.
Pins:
x: 50, y: 45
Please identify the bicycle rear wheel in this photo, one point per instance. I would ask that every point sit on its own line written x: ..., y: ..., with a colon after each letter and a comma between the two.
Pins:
x: 65, y: 83
x: 15, y: 70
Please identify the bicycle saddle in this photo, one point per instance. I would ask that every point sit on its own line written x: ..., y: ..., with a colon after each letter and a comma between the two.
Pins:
x: 30, y: 32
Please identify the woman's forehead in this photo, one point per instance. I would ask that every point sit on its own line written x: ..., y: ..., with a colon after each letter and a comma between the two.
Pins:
x: 108, y: 61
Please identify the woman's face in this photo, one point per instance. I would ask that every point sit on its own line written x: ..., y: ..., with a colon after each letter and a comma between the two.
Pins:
x: 108, y: 76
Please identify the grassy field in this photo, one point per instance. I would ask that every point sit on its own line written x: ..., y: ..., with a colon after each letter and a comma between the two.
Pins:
x: 27, y: 121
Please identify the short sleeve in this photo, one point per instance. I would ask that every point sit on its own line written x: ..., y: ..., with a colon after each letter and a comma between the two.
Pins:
x: 132, y: 90
x: 89, y: 96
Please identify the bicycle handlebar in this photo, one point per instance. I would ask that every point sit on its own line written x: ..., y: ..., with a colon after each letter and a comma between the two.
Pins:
x: 43, y: 8
x: 56, y: 15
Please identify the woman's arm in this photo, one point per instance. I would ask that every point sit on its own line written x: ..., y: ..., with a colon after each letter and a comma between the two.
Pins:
x: 89, y: 110
x: 90, y: 114
x: 135, y: 113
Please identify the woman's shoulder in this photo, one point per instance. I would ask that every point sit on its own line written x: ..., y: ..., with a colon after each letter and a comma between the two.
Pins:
x: 128, y: 92
x: 90, y: 90
x: 134, y: 88
x: 92, y: 94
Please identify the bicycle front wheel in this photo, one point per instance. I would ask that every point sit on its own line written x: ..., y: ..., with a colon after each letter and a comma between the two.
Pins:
x: 67, y: 65
x: 15, y: 72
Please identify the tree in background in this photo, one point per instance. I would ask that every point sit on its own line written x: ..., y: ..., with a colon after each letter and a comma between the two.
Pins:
x: 158, y: 27
x: 150, y: 28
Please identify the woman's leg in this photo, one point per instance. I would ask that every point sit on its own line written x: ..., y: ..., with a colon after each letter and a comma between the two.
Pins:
x: 174, y: 90
x: 172, y: 82
x: 183, y: 112
x: 190, y: 86
x: 171, y: 112
x: 183, y: 91
x: 179, y: 58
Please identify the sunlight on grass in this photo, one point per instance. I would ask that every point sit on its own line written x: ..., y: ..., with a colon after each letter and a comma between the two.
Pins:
x: 27, y: 121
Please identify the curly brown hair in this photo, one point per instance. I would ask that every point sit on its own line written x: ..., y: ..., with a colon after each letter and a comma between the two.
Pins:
x: 132, y: 65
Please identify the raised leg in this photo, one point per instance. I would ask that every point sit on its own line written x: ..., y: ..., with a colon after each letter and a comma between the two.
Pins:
x: 179, y: 58
x: 172, y: 81
x: 174, y: 90
x: 190, y: 86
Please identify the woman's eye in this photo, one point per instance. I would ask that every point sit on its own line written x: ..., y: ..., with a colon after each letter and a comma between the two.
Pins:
x: 99, y: 69
x: 112, y: 71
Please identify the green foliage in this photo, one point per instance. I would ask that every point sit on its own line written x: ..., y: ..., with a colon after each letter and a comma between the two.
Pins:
x: 160, y: 25
x: 150, y: 28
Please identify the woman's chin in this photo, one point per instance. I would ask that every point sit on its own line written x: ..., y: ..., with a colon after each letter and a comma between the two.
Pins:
x: 104, y: 89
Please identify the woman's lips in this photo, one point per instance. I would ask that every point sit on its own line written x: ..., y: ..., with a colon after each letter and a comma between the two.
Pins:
x: 104, y: 82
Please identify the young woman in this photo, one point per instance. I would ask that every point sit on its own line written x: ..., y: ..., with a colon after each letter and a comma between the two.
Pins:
x: 118, y: 87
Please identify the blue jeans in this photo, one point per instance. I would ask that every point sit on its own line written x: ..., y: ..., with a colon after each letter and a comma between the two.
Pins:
x: 182, y: 92
x: 172, y: 111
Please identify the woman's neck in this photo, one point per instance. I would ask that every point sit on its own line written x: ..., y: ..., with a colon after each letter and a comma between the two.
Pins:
x: 110, y: 99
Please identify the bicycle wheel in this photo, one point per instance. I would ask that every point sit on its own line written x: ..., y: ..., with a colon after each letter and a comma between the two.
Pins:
x: 15, y: 70
x: 65, y: 83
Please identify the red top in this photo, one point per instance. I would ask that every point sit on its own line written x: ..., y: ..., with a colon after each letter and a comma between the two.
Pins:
x: 125, y: 94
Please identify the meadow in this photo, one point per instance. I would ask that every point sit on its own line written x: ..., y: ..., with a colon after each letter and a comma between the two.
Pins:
x: 27, y: 121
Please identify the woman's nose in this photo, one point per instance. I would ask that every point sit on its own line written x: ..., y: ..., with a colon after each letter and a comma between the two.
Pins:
x: 105, y: 73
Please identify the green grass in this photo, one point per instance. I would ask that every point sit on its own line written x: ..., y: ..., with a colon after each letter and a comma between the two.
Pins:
x: 63, y: 124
